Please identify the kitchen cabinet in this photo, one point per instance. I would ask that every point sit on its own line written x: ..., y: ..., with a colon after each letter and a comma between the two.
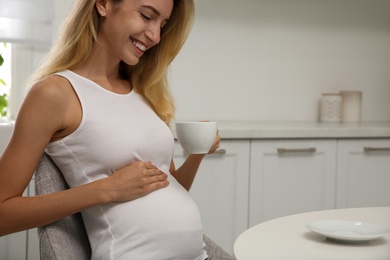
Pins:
x: 32, y: 243
x: 363, y: 173
x: 290, y: 177
x: 13, y: 246
x: 220, y: 190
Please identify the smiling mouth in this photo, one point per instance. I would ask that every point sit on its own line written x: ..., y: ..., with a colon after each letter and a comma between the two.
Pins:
x: 139, y: 45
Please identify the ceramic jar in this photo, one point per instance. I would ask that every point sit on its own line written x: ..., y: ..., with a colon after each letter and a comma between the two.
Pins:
x: 351, y: 110
x: 330, y: 110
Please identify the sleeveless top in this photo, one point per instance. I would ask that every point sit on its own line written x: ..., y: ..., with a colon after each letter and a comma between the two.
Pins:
x: 117, y: 130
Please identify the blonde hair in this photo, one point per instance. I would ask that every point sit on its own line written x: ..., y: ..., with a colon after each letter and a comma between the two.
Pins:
x: 148, y: 77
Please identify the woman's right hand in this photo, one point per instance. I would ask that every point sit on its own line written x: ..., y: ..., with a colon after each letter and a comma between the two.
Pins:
x: 134, y: 181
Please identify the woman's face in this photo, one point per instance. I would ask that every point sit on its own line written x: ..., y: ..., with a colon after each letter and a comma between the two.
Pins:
x: 129, y: 29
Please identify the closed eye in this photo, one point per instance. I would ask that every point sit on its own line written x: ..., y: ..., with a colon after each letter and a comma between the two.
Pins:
x: 145, y: 17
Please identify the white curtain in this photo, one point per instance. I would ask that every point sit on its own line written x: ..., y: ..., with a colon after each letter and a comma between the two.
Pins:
x: 26, y: 21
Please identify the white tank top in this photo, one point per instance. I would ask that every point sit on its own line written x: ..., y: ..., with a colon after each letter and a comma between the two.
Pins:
x: 117, y: 130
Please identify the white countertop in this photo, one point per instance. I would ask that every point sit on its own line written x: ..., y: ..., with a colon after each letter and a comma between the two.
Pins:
x: 277, y: 130
x: 6, y: 127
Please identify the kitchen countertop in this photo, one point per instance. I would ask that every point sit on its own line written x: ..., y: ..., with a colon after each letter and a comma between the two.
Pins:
x: 6, y: 127
x: 278, y: 130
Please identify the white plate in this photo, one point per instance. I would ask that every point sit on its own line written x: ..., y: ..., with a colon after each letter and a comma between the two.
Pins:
x: 348, y: 230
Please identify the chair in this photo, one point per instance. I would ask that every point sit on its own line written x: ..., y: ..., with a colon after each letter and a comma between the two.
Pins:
x: 66, y: 239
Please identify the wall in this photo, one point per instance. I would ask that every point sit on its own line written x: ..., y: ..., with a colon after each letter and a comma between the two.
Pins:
x: 272, y: 59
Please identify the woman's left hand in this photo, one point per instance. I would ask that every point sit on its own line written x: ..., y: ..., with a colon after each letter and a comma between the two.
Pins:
x: 215, y: 145
x: 185, y: 174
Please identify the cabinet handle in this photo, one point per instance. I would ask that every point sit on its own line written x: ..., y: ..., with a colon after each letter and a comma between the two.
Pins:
x: 217, y: 152
x: 299, y: 150
x: 376, y: 149
x: 220, y: 151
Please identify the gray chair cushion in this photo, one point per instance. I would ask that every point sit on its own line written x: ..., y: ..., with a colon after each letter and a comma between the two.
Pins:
x: 66, y: 239
x: 214, y: 251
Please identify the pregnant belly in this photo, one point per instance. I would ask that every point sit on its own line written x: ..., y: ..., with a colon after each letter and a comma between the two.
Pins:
x: 171, y: 208
x: 167, y: 217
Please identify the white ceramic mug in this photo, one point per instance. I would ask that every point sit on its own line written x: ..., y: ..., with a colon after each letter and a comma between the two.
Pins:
x: 196, y: 137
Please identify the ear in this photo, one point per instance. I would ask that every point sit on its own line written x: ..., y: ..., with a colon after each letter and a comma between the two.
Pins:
x: 101, y: 6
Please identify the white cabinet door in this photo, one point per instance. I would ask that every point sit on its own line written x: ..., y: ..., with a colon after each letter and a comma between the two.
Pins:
x: 32, y: 244
x: 13, y: 246
x: 291, y: 176
x: 32, y: 235
x: 363, y: 173
x: 221, y: 191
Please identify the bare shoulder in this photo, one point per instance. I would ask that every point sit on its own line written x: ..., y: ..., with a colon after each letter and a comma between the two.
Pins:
x: 51, y: 95
x: 53, y: 88
x: 52, y: 106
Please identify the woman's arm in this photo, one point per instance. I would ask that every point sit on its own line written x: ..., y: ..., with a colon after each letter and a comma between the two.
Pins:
x: 186, y: 173
x: 47, y: 114
x: 39, y: 119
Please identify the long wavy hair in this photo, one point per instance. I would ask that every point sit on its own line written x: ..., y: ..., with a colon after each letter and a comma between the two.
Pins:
x: 148, y: 77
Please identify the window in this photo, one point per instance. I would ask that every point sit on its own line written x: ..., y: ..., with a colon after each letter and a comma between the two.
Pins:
x: 5, y: 76
x: 27, y: 24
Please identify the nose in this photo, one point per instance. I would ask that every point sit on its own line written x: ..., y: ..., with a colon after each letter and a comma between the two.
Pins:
x: 153, y: 33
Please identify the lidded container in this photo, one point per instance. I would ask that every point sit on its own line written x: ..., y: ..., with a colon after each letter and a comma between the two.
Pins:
x: 351, y: 111
x: 330, y: 110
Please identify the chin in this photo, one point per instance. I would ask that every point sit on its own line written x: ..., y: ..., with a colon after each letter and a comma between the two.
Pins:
x: 131, y: 62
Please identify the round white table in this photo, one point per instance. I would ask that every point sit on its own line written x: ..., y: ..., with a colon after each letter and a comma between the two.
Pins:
x: 288, y: 238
